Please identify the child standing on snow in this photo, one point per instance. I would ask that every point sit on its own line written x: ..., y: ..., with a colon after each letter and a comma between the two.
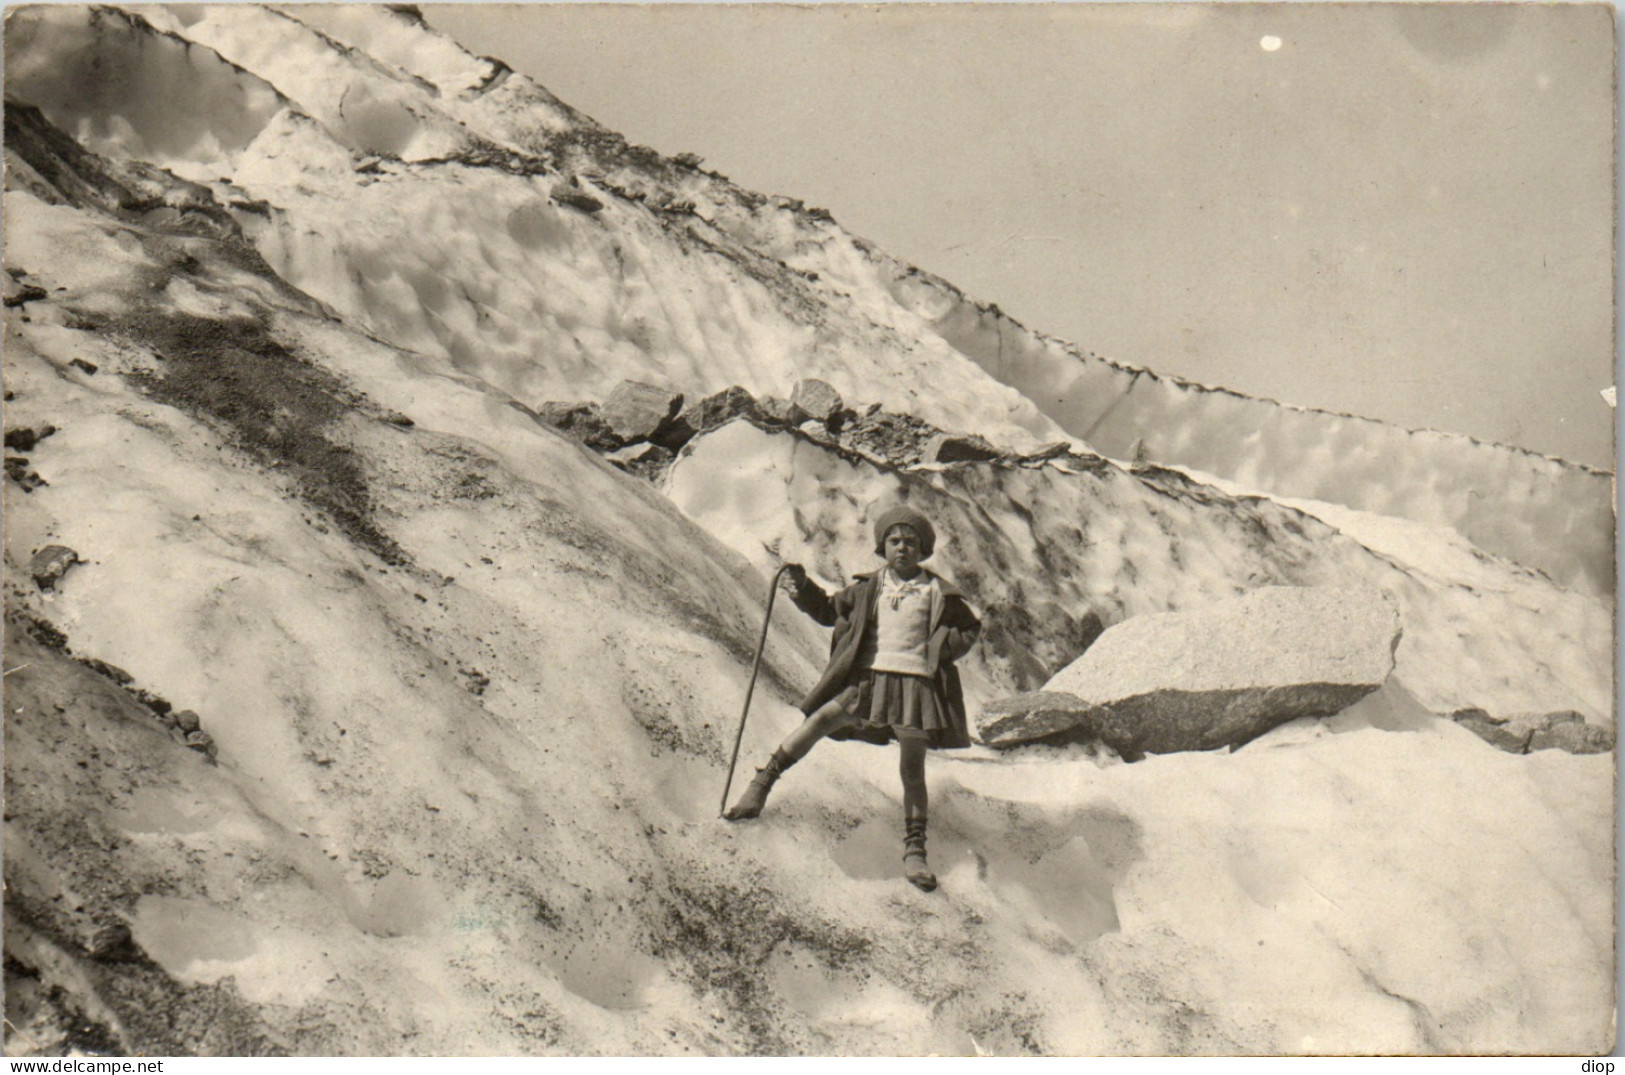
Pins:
x: 891, y: 674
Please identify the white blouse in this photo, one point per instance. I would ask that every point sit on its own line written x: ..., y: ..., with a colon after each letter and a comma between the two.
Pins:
x: 903, y: 623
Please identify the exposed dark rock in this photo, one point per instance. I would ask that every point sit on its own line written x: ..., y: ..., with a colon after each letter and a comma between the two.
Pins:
x: 1084, y: 464
x: 570, y: 193
x: 16, y: 468
x: 706, y: 414
x: 841, y: 420
x: 1049, y: 451
x: 1496, y: 731
x: 475, y: 681
x: 812, y: 398
x: 109, y: 671
x: 203, y: 743
x: 1528, y: 732
x: 952, y: 448
x: 89, y: 368
x: 582, y: 421
x: 1572, y: 734
x: 776, y: 410
x: 44, y: 633
x: 637, y: 411
x: 49, y: 564
x: 662, y: 201
x: 645, y: 460
x: 17, y: 292
x: 1037, y: 716
x: 23, y: 439
x: 161, y: 707
x: 495, y: 77
x: 1216, y: 676
x: 816, y: 431
x: 721, y: 407
x: 895, y: 439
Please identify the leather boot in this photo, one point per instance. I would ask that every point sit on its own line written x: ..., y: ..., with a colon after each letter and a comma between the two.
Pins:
x: 915, y: 868
x: 755, y: 797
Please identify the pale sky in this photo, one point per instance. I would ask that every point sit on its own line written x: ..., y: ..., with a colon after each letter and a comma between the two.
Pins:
x: 1399, y: 211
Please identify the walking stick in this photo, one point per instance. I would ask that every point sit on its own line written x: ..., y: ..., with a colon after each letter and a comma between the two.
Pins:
x: 773, y: 591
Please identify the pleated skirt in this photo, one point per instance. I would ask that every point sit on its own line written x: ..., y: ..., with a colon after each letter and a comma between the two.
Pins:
x: 882, y: 706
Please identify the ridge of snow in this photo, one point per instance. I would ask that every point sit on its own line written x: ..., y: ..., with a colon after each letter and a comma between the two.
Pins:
x: 369, y: 105
x: 399, y: 40
x: 1539, y: 510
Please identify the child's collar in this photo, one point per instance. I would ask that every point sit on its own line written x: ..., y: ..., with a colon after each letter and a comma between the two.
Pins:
x: 948, y: 588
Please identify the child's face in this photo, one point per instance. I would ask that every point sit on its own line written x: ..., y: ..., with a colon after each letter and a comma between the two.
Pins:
x: 902, y: 546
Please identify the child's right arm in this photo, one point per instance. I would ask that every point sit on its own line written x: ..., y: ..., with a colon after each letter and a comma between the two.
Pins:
x: 809, y: 596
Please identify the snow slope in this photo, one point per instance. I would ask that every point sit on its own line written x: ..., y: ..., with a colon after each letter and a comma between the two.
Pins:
x: 440, y: 234
x: 713, y: 285
x: 470, y: 688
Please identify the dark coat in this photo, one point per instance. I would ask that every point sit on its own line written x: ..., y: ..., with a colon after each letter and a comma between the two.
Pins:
x: 954, y: 629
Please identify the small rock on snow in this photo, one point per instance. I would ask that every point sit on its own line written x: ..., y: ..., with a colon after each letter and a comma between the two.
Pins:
x: 816, y: 399
x: 17, y: 293
x: 571, y: 194
x: 580, y: 421
x: 23, y: 438
x: 949, y: 448
x: 645, y: 460
x: 1573, y: 735
x: 49, y: 565
x: 1526, y: 733
x: 707, y: 414
x: 637, y: 411
x: 776, y: 410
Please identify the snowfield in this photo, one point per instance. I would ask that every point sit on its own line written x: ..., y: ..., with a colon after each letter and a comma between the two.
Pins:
x: 282, y: 299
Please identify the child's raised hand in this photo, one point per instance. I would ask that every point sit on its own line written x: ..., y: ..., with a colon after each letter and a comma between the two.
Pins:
x: 808, y: 595
x: 795, y: 577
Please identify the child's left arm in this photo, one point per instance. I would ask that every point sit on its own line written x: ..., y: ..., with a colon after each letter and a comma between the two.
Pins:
x: 962, y: 629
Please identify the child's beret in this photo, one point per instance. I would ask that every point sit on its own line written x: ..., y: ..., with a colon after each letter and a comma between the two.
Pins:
x: 903, y: 515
